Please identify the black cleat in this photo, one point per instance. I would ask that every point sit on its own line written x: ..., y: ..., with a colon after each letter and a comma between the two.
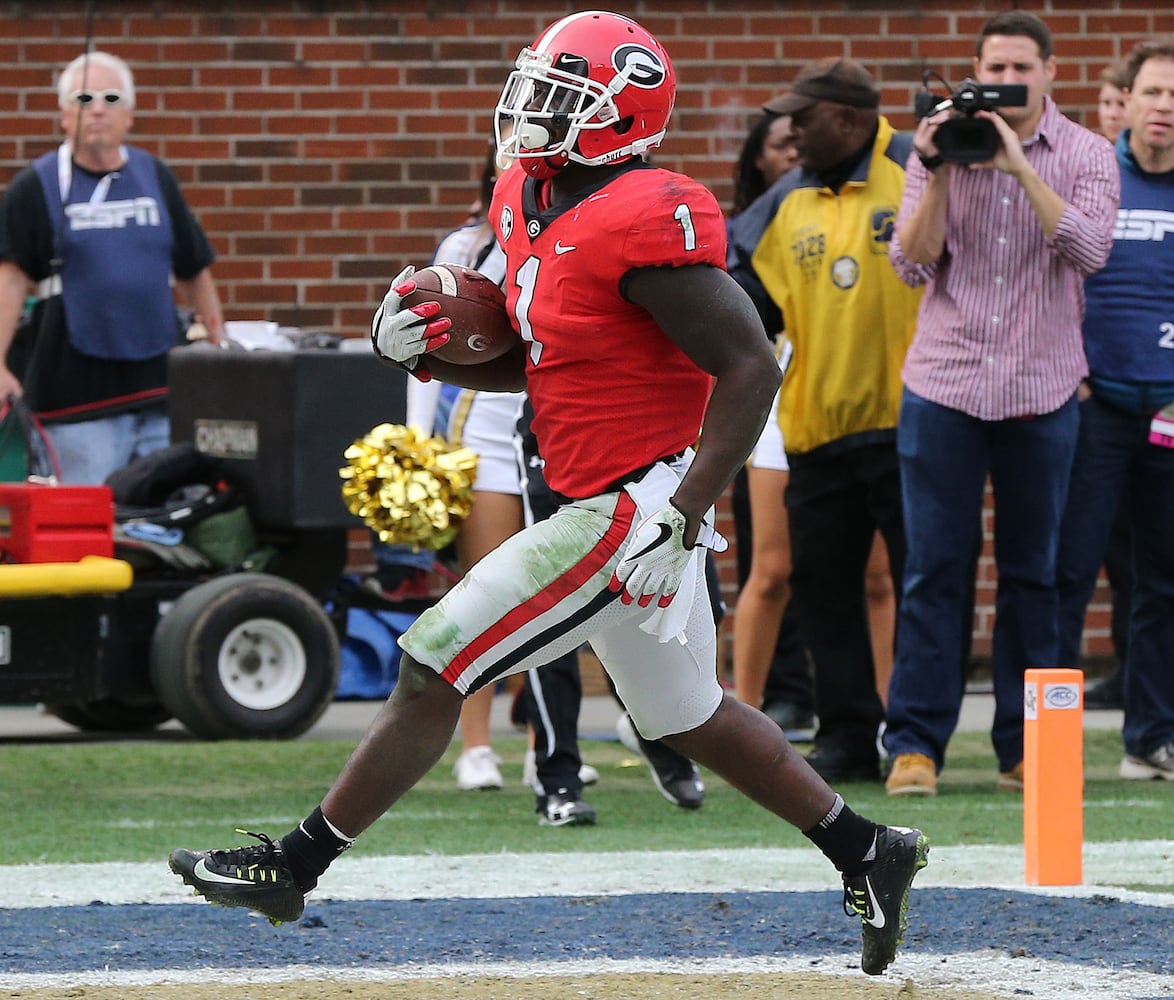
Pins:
x: 561, y: 809
x: 880, y: 895
x: 676, y: 776
x: 254, y: 877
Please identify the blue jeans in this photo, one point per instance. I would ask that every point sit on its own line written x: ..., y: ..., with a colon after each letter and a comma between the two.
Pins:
x: 1115, y: 461
x: 945, y: 458
x: 90, y: 450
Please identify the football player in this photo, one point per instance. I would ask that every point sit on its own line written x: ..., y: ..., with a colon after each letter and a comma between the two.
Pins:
x: 631, y: 334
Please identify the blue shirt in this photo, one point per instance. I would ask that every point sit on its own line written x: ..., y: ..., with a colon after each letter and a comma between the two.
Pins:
x: 116, y: 245
x: 1129, y: 311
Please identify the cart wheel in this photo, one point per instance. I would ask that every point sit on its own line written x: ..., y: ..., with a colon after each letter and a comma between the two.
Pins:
x: 245, y: 656
x: 110, y: 716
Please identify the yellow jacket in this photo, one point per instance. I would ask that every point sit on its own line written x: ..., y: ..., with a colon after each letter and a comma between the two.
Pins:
x: 823, y: 259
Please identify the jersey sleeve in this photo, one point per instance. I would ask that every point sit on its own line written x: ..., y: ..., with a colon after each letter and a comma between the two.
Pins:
x: 675, y: 222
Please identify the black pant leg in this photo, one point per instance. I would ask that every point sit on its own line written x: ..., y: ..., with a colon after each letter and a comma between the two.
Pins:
x: 553, y: 693
x: 1119, y: 570
x: 831, y: 536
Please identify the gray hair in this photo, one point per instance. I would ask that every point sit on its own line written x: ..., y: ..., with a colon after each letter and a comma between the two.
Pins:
x: 73, y: 76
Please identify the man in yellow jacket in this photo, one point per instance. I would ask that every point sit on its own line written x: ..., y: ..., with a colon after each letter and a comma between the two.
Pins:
x: 813, y: 254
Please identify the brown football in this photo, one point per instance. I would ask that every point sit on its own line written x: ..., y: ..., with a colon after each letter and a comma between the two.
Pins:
x: 481, y: 328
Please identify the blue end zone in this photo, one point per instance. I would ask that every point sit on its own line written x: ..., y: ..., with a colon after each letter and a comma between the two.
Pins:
x: 1096, y: 931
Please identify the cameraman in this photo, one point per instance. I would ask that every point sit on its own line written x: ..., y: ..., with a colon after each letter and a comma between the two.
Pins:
x: 1002, y: 249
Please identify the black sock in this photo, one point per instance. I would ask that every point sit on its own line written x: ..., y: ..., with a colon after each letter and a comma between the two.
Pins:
x: 846, y: 839
x: 311, y: 847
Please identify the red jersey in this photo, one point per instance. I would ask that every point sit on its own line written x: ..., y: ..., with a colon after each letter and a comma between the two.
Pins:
x: 611, y: 392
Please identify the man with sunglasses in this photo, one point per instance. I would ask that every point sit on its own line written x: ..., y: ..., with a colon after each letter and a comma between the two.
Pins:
x: 101, y: 229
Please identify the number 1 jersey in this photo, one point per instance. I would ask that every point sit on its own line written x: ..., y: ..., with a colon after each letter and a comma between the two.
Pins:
x: 611, y: 392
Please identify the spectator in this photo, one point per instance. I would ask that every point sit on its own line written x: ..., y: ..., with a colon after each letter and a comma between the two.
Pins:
x: 102, y: 228
x: 1002, y: 248
x: 484, y: 422
x: 1109, y: 692
x: 1111, y: 101
x: 849, y: 319
x: 767, y: 152
x: 1129, y: 341
x: 766, y: 635
x: 632, y: 335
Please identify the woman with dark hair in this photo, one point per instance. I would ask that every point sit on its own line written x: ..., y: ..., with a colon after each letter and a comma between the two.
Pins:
x: 768, y: 152
x: 767, y: 647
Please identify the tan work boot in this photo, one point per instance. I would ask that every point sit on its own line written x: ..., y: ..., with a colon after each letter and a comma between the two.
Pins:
x: 1011, y: 781
x: 912, y: 774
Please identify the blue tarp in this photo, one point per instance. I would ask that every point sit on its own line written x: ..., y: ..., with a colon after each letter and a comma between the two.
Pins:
x: 370, y: 655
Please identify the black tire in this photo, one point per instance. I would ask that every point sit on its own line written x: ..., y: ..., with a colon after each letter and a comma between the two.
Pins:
x: 110, y: 716
x: 245, y: 656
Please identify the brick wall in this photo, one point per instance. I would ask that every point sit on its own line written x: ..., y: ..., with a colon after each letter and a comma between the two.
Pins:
x: 323, y: 145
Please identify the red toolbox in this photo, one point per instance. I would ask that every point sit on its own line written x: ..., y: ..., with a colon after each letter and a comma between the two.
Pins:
x: 55, y: 523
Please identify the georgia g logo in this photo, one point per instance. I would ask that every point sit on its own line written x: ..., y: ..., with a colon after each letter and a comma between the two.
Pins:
x: 642, y: 66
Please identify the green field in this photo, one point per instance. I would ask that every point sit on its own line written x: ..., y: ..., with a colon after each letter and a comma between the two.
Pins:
x: 85, y: 802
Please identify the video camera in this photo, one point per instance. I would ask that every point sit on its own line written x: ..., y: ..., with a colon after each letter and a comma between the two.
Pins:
x: 964, y: 138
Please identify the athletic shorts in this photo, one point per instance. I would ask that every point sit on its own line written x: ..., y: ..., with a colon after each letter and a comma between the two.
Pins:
x: 483, y: 422
x: 544, y: 592
x: 769, y: 452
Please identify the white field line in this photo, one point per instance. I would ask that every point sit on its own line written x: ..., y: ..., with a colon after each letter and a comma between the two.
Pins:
x: 1107, y: 868
x: 992, y: 971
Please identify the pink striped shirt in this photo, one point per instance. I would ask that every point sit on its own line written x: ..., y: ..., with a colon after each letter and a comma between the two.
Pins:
x: 998, y: 332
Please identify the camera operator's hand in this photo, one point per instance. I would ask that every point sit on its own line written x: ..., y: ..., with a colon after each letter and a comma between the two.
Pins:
x: 924, y: 141
x: 1010, y: 158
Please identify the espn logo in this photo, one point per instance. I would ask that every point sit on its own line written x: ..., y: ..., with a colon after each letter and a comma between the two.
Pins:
x: 1143, y: 225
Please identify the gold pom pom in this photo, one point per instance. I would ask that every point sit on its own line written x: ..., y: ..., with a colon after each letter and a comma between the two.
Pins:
x: 409, y: 489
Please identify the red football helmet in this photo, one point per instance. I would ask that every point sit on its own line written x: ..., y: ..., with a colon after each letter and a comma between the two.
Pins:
x: 594, y: 88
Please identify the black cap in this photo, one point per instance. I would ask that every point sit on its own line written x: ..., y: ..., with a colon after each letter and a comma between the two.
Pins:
x: 840, y: 81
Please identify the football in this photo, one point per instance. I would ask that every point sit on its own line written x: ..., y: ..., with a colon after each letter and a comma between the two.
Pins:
x: 481, y: 328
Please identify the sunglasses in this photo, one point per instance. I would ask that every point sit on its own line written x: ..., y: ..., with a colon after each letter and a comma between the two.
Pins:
x: 87, y: 97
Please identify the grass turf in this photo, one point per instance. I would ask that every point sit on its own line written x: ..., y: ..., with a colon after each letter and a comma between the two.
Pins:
x: 135, y: 801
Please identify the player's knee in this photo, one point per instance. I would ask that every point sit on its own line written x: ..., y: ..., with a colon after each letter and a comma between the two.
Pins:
x: 416, y: 680
x: 657, y: 717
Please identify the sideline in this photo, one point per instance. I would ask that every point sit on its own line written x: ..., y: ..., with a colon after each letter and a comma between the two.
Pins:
x: 1108, y: 868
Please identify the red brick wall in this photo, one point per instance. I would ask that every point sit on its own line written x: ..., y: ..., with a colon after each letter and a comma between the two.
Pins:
x: 324, y: 145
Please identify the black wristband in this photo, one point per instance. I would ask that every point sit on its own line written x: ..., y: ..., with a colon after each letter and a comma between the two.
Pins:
x: 930, y: 162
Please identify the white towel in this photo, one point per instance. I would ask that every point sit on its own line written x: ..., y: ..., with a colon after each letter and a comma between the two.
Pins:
x: 651, y: 494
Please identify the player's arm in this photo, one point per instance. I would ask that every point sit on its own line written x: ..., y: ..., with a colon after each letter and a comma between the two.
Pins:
x: 504, y: 374
x: 704, y: 311
x: 14, y: 286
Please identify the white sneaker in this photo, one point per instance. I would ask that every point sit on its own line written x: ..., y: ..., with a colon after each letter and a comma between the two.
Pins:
x: 1158, y: 763
x: 587, y: 774
x: 477, y: 768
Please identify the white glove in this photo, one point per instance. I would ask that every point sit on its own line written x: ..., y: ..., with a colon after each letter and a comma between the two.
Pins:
x: 400, y: 335
x: 656, y: 558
